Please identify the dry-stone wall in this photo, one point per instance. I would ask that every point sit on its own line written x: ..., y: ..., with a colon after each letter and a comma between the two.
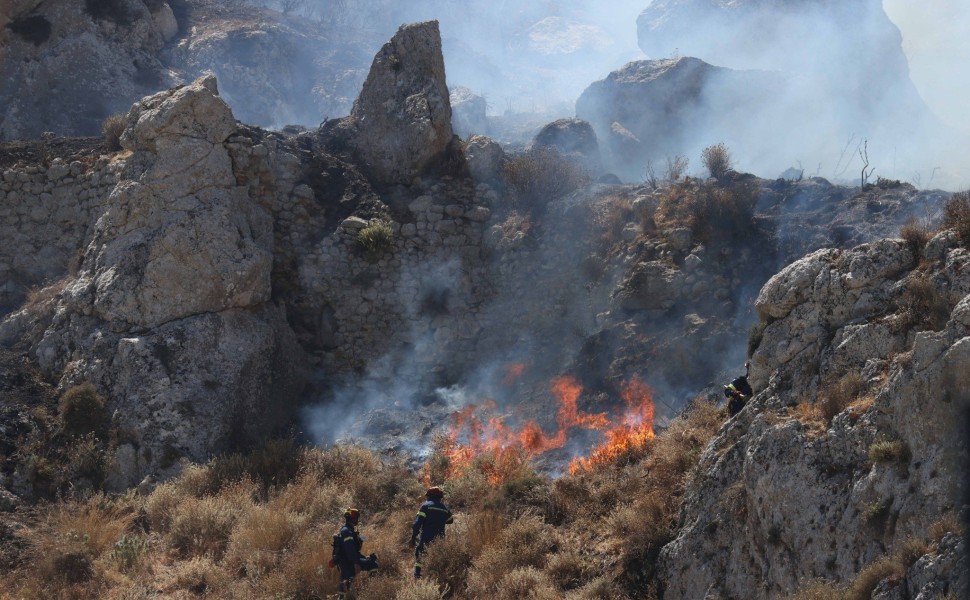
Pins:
x: 45, y: 215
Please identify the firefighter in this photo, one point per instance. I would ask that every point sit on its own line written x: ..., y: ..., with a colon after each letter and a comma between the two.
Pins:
x: 429, y: 524
x: 347, y: 544
x: 739, y: 391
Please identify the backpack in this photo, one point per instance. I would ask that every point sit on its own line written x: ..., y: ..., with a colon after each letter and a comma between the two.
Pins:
x: 338, y: 550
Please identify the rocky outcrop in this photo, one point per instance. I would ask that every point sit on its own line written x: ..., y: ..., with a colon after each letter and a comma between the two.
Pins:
x: 70, y: 64
x: 402, y: 118
x: 573, y: 139
x: 169, y: 314
x: 657, y: 107
x: 782, y: 497
x: 856, y: 63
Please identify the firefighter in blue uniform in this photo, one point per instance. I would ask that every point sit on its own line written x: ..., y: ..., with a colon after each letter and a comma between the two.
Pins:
x: 346, y: 551
x: 429, y: 525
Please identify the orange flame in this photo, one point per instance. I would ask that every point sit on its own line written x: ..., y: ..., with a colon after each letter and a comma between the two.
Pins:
x: 633, y: 434
x: 513, y: 373
x: 477, y: 436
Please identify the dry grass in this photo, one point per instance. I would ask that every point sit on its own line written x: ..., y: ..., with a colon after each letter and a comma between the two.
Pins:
x: 922, y: 307
x: 610, y: 219
x: 712, y: 212
x: 835, y: 396
x: 42, y: 295
x: 916, y: 233
x: 228, y: 529
x: 112, y: 128
x: 888, y: 450
x: 867, y: 580
x: 956, y: 216
x: 542, y: 176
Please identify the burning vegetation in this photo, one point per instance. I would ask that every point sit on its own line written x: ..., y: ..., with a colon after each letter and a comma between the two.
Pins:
x: 256, y: 526
x: 482, y: 434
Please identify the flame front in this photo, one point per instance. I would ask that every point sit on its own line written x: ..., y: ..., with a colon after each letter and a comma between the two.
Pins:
x: 480, y: 437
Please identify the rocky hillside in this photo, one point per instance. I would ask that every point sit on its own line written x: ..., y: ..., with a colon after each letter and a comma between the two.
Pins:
x: 213, y: 285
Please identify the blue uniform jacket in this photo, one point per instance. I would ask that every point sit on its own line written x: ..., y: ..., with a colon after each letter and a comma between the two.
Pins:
x: 431, y: 520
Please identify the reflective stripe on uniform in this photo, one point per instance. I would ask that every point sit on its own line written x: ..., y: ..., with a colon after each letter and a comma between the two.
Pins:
x: 436, y: 508
x: 733, y: 389
x: 421, y: 514
x: 347, y: 539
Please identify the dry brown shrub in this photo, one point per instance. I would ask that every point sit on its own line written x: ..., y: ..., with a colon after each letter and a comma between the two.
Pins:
x: 817, y: 590
x: 922, y: 306
x: 198, y: 575
x: 867, y: 579
x: 838, y: 393
x: 304, y: 573
x: 260, y: 537
x: 610, y: 218
x: 320, y: 502
x: 542, y: 176
x: 948, y: 523
x: 717, y: 159
x: 570, y: 570
x: 956, y: 216
x: 419, y: 590
x: 37, y: 296
x: 641, y: 529
x: 111, y: 129
x: 202, y: 526
x: 601, y: 588
x: 916, y: 233
x: 524, y: 542
x: 449, y: 558
x: 161, y: 506
x: 711, y: 211
x: 525, y: 582
x: 911, y: 550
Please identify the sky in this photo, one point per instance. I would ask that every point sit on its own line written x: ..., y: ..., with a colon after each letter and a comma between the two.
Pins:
x: 936, y: 40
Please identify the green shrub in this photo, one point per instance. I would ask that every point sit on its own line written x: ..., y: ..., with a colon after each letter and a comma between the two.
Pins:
x: 717, y: 159
x: 375, y: 239
x: 956, y: 216
x: 888, y: 450
x: 82, y: 411
x: 541, y: 176
x: 111, y: 129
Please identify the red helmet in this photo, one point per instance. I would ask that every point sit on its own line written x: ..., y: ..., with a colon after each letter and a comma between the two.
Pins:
x: 352, y: 514
x: 435, y: 492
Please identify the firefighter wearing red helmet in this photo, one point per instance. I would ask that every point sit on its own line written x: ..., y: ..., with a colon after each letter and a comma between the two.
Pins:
x: 347, y: 556
x: 429, y: 525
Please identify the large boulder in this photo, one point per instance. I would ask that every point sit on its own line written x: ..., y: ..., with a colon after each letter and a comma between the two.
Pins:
x: 848, y: 50
x: 573, y: 139
x: 170, y: 313
x: 178, y: 238
x: 657, y: 107
x: 402, y: 117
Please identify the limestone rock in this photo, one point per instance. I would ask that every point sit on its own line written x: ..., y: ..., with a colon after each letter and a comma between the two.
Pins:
x: 650, y: 286
x: 485, y: 158
x: 402, y: 117
x: 648, y: 105
x: 772, y: 485
x: 178, y: 238
x: 572, y: 138
x: 468, y: 113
